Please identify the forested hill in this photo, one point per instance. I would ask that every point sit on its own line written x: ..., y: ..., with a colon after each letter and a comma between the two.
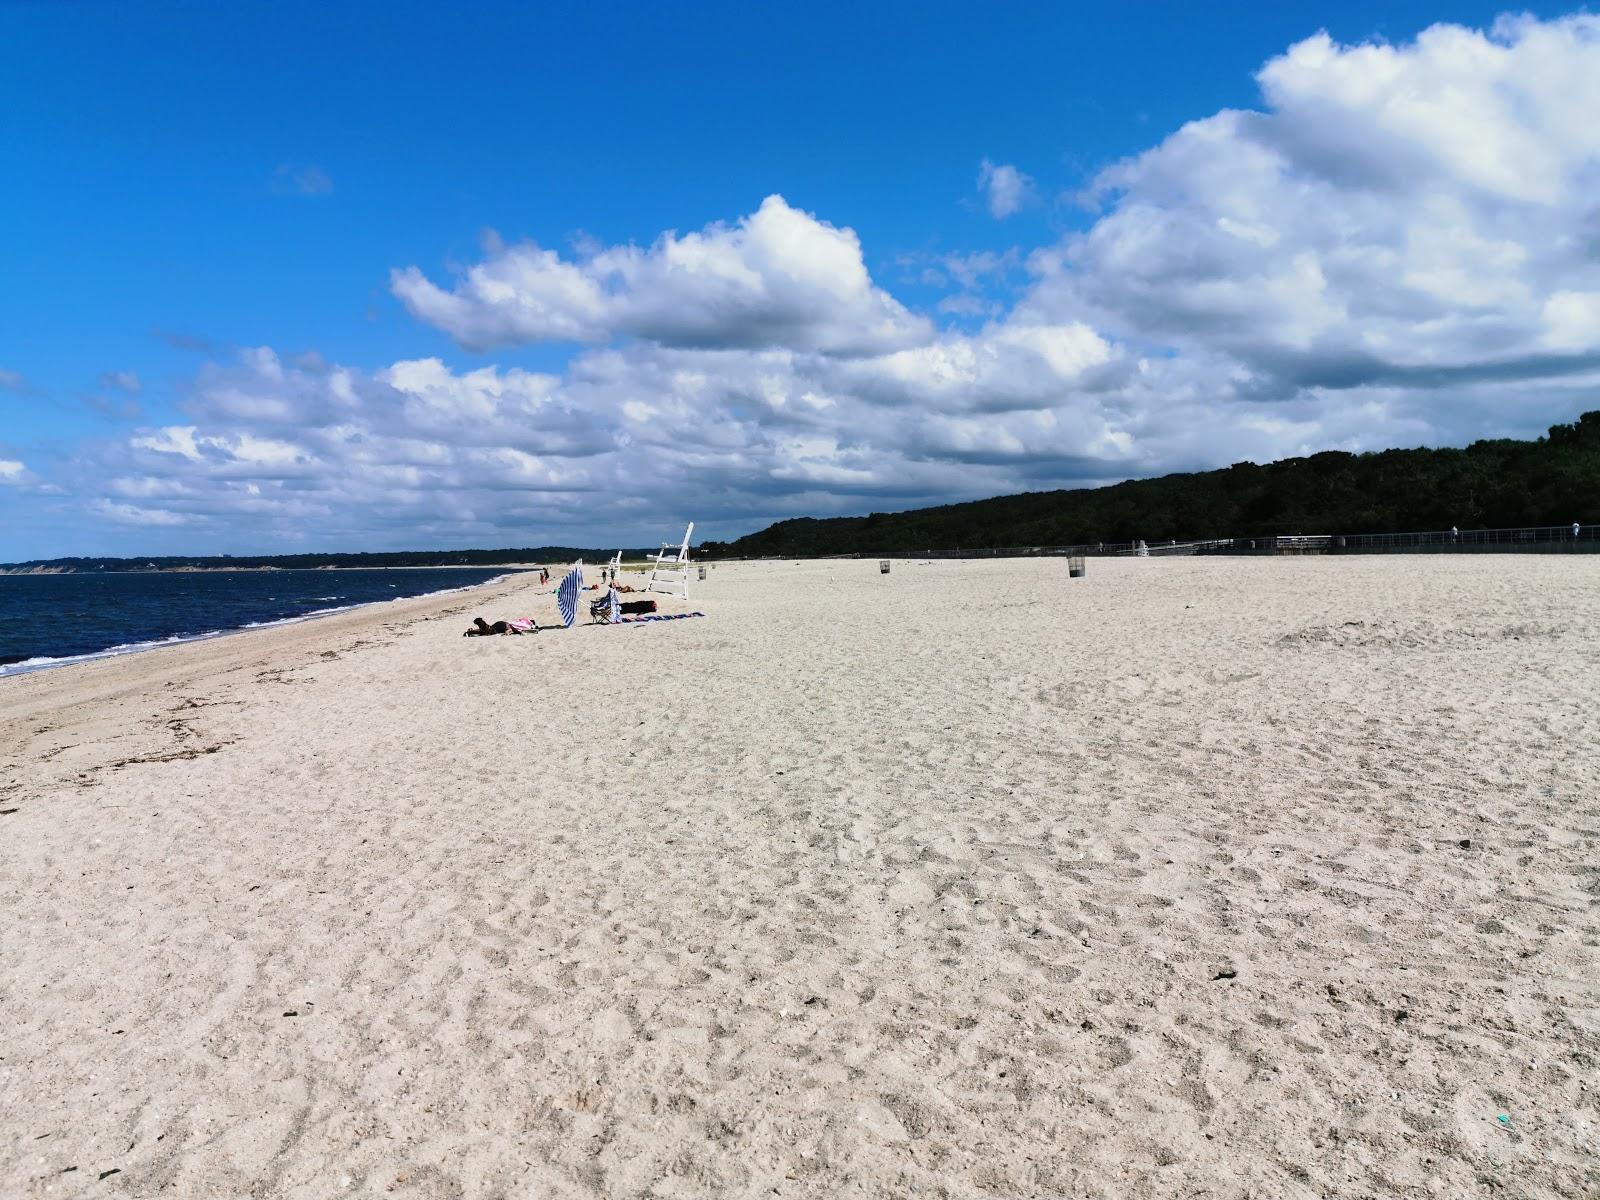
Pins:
x: 1554, y: 480
x: 311, y: 562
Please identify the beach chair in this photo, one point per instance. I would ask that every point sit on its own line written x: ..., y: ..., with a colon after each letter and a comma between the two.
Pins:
x: 606, y: 609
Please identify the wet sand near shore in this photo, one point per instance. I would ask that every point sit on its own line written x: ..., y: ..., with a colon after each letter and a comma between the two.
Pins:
x: 1193, y: 877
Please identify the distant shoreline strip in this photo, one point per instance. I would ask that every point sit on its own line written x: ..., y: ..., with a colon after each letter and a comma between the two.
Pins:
x: 28, y: 666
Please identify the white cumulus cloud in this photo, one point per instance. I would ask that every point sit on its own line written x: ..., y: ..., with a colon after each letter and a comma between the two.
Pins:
x: 1422, y: 215
x: 1005, y: 189
x: 132, y: 514
x: 779, y: 277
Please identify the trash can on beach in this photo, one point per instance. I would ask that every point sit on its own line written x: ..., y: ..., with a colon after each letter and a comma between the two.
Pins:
x: 702, y: 570
x: 1075, y: 567
x: 883, y: 566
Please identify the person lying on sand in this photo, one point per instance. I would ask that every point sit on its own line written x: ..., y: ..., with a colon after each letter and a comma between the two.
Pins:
x: 481, y: 628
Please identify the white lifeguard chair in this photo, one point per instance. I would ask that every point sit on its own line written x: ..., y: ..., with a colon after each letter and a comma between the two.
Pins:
x: 669, y: 570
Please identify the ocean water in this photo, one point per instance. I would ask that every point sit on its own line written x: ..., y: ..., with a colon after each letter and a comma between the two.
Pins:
x: 46, y: 620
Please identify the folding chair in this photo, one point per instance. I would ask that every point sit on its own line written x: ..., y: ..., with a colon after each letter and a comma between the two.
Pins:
x: 606, y: 609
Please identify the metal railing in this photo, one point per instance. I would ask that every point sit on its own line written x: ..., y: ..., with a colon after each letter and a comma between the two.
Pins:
x: 1171, y: 548
x: 1533, y: 539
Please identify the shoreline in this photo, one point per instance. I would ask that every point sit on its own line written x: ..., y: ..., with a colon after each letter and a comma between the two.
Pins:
x: 68, y: 723
x: 224, y: 649
x: 30, y: 666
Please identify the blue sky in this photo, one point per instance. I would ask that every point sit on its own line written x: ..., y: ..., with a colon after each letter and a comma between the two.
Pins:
x: 190, y: 184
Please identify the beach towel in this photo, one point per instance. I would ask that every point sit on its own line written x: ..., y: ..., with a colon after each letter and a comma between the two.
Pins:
x: 524, y: 625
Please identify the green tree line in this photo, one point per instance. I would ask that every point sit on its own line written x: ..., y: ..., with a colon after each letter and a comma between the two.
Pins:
x: 1553, y: 480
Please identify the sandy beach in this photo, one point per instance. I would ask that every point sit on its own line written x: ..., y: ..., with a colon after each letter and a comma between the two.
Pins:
x: 1224, y: 878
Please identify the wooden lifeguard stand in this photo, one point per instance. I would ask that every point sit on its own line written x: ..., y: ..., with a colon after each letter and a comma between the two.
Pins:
x: 669, y: 569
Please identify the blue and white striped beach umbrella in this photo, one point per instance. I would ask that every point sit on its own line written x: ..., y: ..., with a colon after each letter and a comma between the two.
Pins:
x: 567, y: 595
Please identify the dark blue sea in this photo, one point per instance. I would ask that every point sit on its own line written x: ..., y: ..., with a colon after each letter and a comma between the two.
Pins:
x: 48, y: 619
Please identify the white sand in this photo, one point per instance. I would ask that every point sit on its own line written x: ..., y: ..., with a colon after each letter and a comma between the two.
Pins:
x: 1191, y: 878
